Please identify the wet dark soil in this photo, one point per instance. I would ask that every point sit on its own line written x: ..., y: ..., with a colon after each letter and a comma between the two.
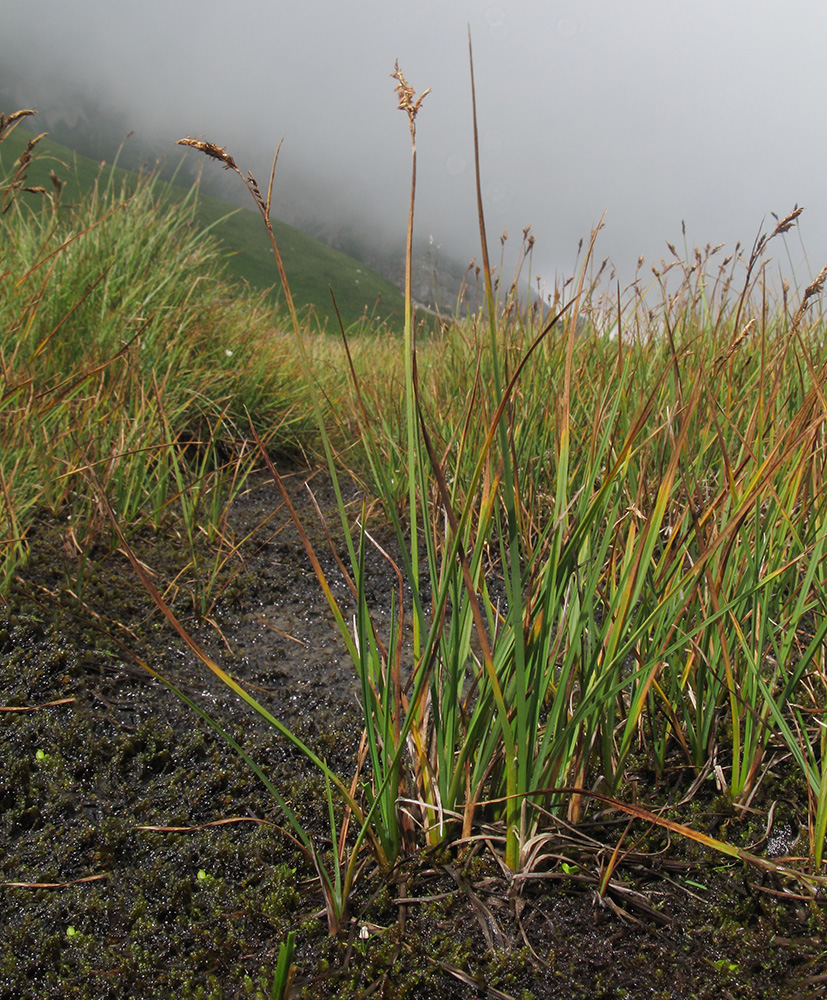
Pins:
x: 99, y: 760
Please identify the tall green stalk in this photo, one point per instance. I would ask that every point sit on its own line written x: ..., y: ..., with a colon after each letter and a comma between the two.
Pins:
x: 410, y: 104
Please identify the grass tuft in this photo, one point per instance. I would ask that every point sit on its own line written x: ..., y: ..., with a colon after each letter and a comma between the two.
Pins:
x: 608, y: 520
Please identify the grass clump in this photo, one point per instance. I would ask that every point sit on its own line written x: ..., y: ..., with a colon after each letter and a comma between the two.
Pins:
x: 364, y: 298
x: 622, y: 538
x: 124, y: 353
x: 612, y: 546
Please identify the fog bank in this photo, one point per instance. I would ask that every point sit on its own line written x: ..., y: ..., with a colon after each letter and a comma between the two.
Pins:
x: 651, y: 113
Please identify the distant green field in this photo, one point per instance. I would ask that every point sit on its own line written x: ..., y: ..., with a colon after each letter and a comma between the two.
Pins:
x: 312, y: 268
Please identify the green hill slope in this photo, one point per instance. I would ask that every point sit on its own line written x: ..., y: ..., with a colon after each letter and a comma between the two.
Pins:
x: 312, y: 268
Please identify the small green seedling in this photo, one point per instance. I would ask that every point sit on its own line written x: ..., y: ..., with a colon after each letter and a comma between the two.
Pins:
x: 285, y: 970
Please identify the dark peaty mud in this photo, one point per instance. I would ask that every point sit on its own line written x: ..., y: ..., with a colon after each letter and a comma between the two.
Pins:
x: 99, y: 760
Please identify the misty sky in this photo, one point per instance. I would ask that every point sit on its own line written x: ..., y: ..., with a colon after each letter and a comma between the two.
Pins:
x: 653, y: 111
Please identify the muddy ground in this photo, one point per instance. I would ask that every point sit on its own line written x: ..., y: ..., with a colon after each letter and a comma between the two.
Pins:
x: 94, y: 750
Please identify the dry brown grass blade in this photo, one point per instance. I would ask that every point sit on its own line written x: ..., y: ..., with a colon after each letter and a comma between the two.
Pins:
x: 36, y: 708
x: 486, y: 262
x: 297, y: 522
x: 205, y: 826
x: 272, y: 178
x: 815, y: 884
x: 463, y: 977
x: 55, y: 885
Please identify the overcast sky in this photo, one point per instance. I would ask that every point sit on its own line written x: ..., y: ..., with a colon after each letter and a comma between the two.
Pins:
x: 654, y: 111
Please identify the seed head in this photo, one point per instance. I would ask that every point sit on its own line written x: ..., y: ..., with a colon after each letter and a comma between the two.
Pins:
x: 815, y: 287
x: 7, y: 122
x: 210, y: 148
x: 406, y: 95
x: 786, y: 224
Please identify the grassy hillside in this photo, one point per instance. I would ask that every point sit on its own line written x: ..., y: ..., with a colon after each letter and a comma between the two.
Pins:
x: 312, y: 268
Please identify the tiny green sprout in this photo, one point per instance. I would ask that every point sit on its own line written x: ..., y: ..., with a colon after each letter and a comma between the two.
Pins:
x: 570, y: 869
x: 202, y: 875
x: 41, y: 755
x: 70, y: 931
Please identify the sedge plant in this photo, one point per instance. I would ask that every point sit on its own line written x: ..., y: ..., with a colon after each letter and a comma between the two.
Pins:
x: 613, y: 548
x: 642, y: 531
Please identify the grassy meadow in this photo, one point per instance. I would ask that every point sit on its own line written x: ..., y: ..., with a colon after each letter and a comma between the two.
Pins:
x: 247, y: 256
x: 606, y: 524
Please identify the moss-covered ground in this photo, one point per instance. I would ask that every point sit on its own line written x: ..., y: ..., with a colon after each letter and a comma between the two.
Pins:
x: 94, y: 751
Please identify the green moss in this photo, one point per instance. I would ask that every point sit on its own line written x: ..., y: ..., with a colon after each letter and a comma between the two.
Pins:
x: 126, y: 754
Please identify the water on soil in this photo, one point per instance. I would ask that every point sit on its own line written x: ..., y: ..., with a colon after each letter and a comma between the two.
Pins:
x: 98, y: 761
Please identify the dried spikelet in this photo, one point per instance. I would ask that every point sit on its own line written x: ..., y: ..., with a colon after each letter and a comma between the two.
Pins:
x: 815, y: 287
x: 809, y: 292
x: 17, y: 116
x: 26, y: 157
x: 721, y: 360
x: 211, y: 150
x: 57, y: 183
x: 8, y: 122
x: 786, y: 224
x: 18, y: 180
x: 406, y: 95
x: 255, y: 191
